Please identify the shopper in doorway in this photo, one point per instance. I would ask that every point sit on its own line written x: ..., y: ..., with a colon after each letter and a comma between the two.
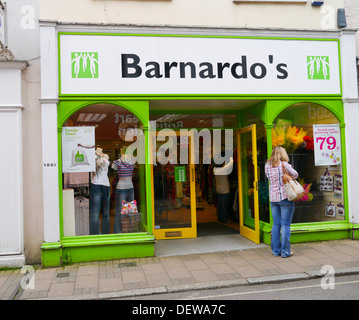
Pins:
x: 222, y: 189
x: 282, y: 208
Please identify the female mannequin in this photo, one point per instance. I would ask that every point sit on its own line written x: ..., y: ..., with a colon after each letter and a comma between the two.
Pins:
x: 124, y: 167
x: 100, y: 195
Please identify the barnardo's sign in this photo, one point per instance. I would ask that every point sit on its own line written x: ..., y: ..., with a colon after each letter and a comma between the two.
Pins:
x: 154, y: 65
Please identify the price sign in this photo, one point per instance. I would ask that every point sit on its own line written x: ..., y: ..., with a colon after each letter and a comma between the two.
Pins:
x: 327, y: 146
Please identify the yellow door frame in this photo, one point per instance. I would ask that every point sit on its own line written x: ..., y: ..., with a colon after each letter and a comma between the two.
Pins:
x: 177, y: 233
x: 245, y: 231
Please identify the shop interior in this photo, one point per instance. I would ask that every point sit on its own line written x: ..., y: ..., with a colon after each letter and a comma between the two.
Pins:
x: 172, y: 196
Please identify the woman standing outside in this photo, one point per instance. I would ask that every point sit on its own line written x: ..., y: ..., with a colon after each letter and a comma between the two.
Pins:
x: 282, y: 208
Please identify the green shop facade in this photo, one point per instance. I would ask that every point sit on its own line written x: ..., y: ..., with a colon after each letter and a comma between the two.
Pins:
x: 141, y: 98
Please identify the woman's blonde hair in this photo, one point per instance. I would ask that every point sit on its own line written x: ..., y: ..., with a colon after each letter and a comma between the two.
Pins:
x: 278, y: 154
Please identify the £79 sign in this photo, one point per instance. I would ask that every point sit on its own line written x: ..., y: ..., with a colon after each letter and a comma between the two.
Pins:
x: 327, y: 146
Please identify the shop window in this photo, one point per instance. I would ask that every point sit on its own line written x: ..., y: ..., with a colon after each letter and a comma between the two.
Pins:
x: 311, y: 135
x: 98, y: 174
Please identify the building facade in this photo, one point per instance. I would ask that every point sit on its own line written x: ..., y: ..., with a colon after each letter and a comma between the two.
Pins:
x: 352, y: 18
x: 21, y: 215
x: 141, y: 100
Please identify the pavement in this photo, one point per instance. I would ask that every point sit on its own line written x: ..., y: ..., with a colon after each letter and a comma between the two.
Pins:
x: 116, y: 279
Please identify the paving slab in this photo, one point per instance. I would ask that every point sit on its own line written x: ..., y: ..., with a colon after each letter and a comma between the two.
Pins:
x: 154, y: 275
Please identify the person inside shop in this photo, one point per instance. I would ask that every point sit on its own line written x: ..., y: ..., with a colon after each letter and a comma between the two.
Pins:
x: 282, y: 208
x: 222, y: 189
x: 124, y: 167
x: 100, y: 195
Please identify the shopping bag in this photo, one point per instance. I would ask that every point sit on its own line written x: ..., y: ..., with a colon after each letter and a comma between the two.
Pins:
x: 129, y: 207
x: 326, y: 182
x: 330, y: 210
x: 340, y: 210
x: 292, y: 188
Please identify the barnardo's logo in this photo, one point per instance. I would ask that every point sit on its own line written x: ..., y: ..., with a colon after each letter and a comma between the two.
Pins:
x: 318, y: 68
x: 84, y: 64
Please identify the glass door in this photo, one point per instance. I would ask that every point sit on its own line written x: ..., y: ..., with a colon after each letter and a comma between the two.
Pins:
x: 248, y: 183
x: 174, y: 204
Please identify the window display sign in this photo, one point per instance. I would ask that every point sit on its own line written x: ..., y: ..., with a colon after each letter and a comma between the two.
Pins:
x: 327, y: 146
x: 78, y: 149
x: 180, y: 174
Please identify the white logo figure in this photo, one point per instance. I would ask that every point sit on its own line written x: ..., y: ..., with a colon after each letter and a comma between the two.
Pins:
x: 311, y: 67
x: 92, y: 64
x: 84, y: 61
x: 317, y: 60
x: 77, y: 63
x: 325, y: 66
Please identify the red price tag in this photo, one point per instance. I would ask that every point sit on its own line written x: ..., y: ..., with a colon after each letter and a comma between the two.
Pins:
x: 328, y: 142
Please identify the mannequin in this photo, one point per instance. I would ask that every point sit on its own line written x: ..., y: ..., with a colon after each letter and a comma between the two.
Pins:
x: 222, y: 188
x: 100, y: 195
x: 124, y: 167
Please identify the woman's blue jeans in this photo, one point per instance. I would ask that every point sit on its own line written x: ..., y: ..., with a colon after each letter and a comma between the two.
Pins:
x: 282, y: 213
x: 99, y: 201
x: 121, y: 194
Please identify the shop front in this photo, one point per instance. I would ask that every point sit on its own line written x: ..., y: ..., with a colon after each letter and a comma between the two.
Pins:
x: 144, y: 121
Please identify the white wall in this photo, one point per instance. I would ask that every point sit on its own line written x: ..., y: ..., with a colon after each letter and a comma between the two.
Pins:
x: 351, y: 109
x: 23, y: 39
x: 352, y: 15
x: 223, y: 13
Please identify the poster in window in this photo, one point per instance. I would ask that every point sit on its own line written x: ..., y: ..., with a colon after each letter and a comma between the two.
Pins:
x: 327, y: 146
x: 78, y: 149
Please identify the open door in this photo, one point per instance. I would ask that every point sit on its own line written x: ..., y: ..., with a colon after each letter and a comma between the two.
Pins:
x: 174, y: 198
x: 248, y: 183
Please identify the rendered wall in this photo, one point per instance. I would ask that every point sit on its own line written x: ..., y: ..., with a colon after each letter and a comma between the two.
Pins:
x: 352, y: 16
x: 224, y: 13
x: 23, y: 39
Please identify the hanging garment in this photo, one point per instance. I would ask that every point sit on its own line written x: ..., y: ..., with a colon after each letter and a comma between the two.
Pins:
x: 82, y: 221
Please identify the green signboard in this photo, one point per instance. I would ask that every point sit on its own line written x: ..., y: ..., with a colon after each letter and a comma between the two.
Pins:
x: 180, y: 174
